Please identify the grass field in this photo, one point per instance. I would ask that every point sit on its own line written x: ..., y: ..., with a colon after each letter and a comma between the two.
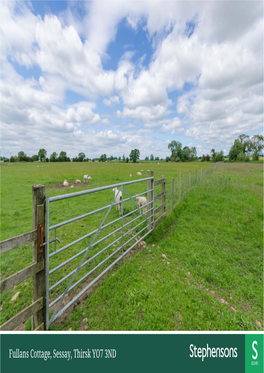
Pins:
x: 201, y: 269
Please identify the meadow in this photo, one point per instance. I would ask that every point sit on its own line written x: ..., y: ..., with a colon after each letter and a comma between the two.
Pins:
x: 201, y: 268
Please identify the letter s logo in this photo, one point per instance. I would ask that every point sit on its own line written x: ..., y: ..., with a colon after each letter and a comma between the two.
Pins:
x: 255, y: 350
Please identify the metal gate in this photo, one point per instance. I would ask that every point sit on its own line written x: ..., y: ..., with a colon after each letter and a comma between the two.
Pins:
x: 79, y: 270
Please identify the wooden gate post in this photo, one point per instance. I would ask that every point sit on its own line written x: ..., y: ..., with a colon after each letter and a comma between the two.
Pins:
x: 180, y: 187
x: 39, y: 283
x: 172, y: 192
x: 150, y: 197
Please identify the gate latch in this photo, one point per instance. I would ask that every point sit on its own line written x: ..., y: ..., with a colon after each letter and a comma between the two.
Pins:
x: 40, y: 238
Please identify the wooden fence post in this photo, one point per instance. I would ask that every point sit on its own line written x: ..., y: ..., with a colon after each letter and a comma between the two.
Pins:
x: 150, y: 197
x: 39, y: 283
x: 190, y: 180
x: 172, y: 192
x: 180, y: 187
x: 164, y: 197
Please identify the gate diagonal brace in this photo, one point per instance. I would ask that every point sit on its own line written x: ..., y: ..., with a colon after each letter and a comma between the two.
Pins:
x: 141, y: 213
x: 83, y: 258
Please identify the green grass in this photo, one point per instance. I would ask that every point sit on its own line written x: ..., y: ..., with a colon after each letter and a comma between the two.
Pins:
x: 212, y: 239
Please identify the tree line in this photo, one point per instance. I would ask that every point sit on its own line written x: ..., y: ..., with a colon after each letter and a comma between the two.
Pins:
x: 240, y: 151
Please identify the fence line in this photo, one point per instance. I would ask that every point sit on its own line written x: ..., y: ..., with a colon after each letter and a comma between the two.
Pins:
x: 173, y: 191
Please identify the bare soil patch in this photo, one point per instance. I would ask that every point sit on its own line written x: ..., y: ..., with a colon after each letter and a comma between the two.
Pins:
x: 72, y: 184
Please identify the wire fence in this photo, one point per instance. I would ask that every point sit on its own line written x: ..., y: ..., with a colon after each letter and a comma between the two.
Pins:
x: 177, y: 188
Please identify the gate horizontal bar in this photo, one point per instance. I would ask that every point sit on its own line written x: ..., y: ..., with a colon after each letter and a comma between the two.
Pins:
x: 91, y: 233
x: 97, y: 278
x: 94, y: 244
x: 93, y: 212
x: 100, y: 252
x: 76, y: 194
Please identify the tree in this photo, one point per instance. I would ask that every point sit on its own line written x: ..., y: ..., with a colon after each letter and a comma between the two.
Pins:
x: 167, y: 159
x: 123, y: 158
x: 42, y: 154
x: 81, y: 157
x: 146, y: 158
x: 151, y: 157
x: 207, y: 158
x: 134, y: 155
x: 21, y: 156
x: 53, y: 157
x: 176, y: 150
x: 256, y: 145
x: 156, y: 158
x: 63, y: 156
x: 12, y: 159
x: 245, y: 141
x: 237, y: 148
x: 102, y: 158
x: 127, y: 160
x: 35, y: 157
x: 203, y: 158
x: 119, y: 158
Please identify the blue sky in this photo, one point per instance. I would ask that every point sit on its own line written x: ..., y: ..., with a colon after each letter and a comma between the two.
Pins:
x: 108, y: 77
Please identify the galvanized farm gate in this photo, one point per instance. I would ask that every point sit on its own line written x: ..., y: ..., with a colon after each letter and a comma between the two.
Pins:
x: 125, y: 243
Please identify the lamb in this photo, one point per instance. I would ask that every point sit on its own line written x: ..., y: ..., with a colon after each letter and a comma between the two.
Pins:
x: 85, y: 177
x: 139, y: 173
x: 65, y: 183
x: 77, y: 181
x: 89, y: 178
x: 141, y: 202
x: 118, y: 198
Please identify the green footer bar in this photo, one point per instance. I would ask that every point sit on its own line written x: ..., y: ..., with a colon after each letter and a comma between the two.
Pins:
x: 67, y: 352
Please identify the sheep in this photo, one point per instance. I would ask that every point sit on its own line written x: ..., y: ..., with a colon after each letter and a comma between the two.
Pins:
x: 118, y: 198
x: 72, y: 186
x: 65, y: 183
x: 130, y: 175
x: 85, y: 177
x: 77, y: 181
x: 89, y: 177
x: 142, y: 170
x: 139, y: 173
x: 141, y: 202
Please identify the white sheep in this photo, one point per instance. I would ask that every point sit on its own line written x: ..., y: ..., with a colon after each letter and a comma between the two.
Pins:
x: 89, y: 177
x: 85, y: 177
x: 139, y: 173
x: 77, y: 181
x: 72, y: 186
x: 65, y: 183
x: 130, y: 175
x: 142, y: 170
x: 118, y: 198
x: 141, y: 202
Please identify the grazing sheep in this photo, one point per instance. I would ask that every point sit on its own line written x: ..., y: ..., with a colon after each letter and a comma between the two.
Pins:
x: 72, y: 186
x: 65, y: 183
x: 141, y: 202
x: 85, y: 177
x: 77, y: 181
x: 142, y: 170
x: 89, y: 177
x: 118, y: 198
x: 139, y: 173
x: 130, y: 175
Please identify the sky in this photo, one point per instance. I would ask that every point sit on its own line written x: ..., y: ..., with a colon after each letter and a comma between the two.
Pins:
x: 105, y: 77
